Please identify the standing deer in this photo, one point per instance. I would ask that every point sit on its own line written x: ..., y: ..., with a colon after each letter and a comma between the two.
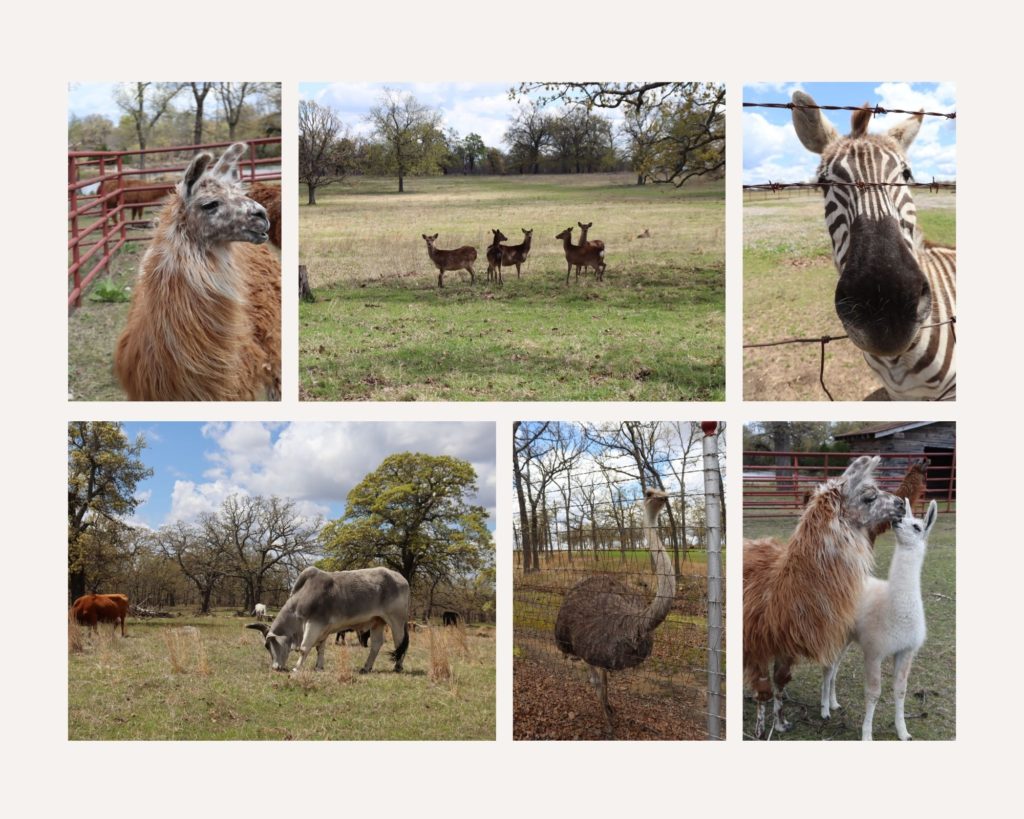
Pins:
x: 494, y: 256
x: 596, y: 243
x: 461, y: 258
x: 581, y: 255
x: 516, y: 254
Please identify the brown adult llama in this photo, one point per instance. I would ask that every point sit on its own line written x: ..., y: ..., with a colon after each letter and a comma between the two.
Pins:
x: 270, y: 197
x: 800, y: 597
x: 911, y: 489
x: 205, y: 318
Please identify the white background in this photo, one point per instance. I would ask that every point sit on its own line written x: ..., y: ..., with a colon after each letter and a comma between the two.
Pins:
x: 46, y: 46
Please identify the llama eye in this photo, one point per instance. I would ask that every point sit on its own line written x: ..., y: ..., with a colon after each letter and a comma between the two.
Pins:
x: 917, y: 528
x: 211, y: 206
x: 869, y: 498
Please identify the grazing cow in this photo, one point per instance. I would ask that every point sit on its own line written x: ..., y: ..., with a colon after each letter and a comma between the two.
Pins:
x: 260, y: 611
x: 450, y: 618
x: 90, y: 609
x: 322, y: 603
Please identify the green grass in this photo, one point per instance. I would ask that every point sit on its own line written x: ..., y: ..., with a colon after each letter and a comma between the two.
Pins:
x: 931, y: 695
x: 787, y: 264
x: 382, y: 330
x: 127, y: 689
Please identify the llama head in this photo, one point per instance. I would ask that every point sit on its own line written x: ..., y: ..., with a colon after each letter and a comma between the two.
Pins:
x: 214, y: 208
x: 863, y: 503
x: 912, y: 533
x: 882, y: 297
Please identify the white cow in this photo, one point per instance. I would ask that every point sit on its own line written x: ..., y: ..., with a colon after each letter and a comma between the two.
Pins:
x: 322, y: 603
x: 260, y: 611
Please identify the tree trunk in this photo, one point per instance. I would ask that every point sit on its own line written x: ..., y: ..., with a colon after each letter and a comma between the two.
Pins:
x: 76, y: 585
x: 312, y: 194
x: 305, y: 292
x: 401, y: 183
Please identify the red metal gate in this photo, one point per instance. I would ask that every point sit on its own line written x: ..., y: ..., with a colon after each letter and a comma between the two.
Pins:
x: 98, y: 223
x: 774, y: 483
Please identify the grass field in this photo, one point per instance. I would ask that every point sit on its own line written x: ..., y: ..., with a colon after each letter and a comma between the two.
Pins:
x: 202, y: 678
x: 789, y: 284
x: 931, y: 695
x: 652, y: 330
x: 663, y: 698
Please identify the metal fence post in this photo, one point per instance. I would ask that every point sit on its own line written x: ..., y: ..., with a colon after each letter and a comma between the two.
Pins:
x: 713, y: 512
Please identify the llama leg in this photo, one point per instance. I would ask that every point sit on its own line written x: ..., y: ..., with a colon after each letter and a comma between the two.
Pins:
x: 901, y: 672
x: 872, y: 691
x: 829, y: 702
x: 763, y: 693
x: 781, y: 678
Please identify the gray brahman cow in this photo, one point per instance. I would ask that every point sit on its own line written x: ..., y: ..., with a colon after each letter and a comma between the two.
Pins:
x: 322, y: 603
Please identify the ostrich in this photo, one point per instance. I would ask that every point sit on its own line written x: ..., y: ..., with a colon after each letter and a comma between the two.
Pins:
x: 611, y: 627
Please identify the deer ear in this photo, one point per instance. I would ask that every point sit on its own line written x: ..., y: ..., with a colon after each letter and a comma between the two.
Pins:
x: 813, y: 129
x: 196, y: 168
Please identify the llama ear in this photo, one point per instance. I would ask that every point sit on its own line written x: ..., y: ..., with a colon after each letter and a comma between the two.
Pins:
x: 196, y: 168
x: 813, y: 129
x: 931, y: 516
x: 905, y: 131
x: 227, y: 165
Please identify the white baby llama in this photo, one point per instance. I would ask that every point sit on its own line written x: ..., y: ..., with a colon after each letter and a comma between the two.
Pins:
x: 890, y: 622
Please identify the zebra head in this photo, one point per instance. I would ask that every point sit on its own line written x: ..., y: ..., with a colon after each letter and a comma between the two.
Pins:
x: 882, y: 297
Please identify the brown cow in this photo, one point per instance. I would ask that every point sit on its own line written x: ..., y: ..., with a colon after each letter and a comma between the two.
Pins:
x: 90, y: 609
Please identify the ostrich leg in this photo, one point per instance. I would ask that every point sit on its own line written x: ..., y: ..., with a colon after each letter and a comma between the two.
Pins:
x: 599, y: 679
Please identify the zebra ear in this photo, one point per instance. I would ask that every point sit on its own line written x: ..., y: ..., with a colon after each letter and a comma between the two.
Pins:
x: 813, y: 129
x: 905, y: 132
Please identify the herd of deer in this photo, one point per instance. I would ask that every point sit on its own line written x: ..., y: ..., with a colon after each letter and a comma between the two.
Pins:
x: 585, y: 254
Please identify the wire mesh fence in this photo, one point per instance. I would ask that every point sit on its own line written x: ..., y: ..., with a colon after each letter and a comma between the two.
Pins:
x: 658, y: 593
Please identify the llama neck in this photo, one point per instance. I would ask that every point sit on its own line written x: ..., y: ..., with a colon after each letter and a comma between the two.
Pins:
x: 659, y: 608
x: 905, y: 572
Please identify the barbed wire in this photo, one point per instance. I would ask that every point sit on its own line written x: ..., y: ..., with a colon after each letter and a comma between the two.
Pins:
x: 781, y: 186
x: 876, y: 110
x: 823, y: 340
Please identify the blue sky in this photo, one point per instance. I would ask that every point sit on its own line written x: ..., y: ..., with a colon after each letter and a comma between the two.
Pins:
x: 196, y: 466
x: 771, y: 150
x: 481, y: 108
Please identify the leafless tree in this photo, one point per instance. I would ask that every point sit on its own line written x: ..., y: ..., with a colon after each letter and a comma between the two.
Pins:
x: 325, y: 150
x: 145, y: 103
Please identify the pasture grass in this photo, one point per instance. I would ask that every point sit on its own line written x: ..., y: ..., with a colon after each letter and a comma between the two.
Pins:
x: 931, y: 694
x: 381, y: 329
x: 206, y: 678
x: 789, y: 285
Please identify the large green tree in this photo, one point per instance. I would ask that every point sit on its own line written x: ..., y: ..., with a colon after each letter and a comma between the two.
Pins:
x: 412, y: 514
x: 104, y: 469
x: 410, y: 133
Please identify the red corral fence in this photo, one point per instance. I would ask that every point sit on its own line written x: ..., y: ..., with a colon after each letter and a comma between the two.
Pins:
x: 774, y: 483
x: 109, y: 192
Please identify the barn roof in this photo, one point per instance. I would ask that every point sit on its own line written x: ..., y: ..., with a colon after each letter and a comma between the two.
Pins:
x: 885, y: 430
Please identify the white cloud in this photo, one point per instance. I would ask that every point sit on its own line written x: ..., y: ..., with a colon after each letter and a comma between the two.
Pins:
x: 317, y: 464
x: 774, y: 153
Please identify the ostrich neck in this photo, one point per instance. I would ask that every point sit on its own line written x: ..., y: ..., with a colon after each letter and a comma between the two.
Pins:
x: 659, y: 608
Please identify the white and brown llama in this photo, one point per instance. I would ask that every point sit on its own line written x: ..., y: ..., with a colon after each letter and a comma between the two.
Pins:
x: 800, y: 597
x: 890, y: 622
x: 205, y: 318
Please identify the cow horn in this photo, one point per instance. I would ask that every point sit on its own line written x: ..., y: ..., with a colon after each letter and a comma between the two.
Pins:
x: 261, y: 626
